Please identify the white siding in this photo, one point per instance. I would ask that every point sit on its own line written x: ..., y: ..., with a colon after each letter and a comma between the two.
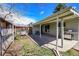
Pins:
x: 72, y: 24
x: 36, y: 28
x: 52, y: 29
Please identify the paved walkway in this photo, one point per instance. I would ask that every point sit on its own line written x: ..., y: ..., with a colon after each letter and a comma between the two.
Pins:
x: 50, y: 42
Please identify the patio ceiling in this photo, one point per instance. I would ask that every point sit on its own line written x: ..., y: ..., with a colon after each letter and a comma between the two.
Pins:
x: 63, y: 14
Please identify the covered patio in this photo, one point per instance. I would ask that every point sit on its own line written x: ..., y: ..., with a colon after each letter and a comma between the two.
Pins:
x: 55, y: 42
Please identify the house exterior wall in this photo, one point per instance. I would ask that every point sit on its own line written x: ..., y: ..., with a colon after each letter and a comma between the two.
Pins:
x: 52, y: 29
x: 71, y: 24
x: 35, y: 29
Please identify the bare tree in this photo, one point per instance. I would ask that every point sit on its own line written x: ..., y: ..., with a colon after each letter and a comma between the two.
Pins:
x: 8, y: 10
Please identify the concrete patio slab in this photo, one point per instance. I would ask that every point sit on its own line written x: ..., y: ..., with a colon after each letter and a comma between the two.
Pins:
x: 50, y: 42
x: 67, y: 44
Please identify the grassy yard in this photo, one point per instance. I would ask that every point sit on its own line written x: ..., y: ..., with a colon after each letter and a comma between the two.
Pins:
x: 71, y: 52
x: 31, y: 49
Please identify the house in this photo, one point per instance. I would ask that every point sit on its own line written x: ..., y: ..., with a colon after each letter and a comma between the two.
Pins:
x: 29, y: 28
x: 6, y: 35
x: 21, y: 30
x: 62, y: 25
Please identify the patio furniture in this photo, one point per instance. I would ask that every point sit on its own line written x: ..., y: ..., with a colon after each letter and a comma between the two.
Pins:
x: 68, y: 35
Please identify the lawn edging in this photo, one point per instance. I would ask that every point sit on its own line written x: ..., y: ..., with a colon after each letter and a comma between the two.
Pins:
x: 31, y: 39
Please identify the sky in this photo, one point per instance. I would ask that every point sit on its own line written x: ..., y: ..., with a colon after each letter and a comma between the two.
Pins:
x: 34, y: 12
x: 38, y: 11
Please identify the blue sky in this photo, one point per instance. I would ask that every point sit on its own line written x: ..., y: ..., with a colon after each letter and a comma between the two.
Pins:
x: 38, y: 11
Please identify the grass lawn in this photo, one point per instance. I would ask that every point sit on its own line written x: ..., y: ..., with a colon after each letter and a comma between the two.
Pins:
x: 71, y: 52
x: 31, y: 49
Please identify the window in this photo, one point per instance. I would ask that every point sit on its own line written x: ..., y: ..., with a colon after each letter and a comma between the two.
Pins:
x: 64, y: 24
x: 47, y: 27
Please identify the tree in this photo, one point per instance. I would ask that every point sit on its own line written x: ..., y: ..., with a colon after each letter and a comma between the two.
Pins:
x: 59, y: 7
x: 5, y: 10
x: 8, y: 11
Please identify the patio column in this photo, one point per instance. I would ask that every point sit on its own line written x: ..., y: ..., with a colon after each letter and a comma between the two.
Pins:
x: 13, y: 32
x: 57, y: 33
x: 62, y: 32
x: 40, y: 30
x: 32, y: 30
x: 78, y: 30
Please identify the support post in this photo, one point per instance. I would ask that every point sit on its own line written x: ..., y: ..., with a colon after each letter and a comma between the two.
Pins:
x: 40, y: 30
x: 33, y: 30
x: 78, y: 31
x: 57, y: 33
x: 62, y: 32
x: 13, y: 32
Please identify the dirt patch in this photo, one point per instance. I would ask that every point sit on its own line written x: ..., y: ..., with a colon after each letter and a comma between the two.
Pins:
x: 14, y: 49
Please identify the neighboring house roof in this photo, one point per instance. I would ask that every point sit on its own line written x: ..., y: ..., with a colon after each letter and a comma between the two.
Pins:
x: 20, y: 26
x: 61, y: 14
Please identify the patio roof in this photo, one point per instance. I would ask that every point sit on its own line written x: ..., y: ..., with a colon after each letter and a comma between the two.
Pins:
x: 66, y: 13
